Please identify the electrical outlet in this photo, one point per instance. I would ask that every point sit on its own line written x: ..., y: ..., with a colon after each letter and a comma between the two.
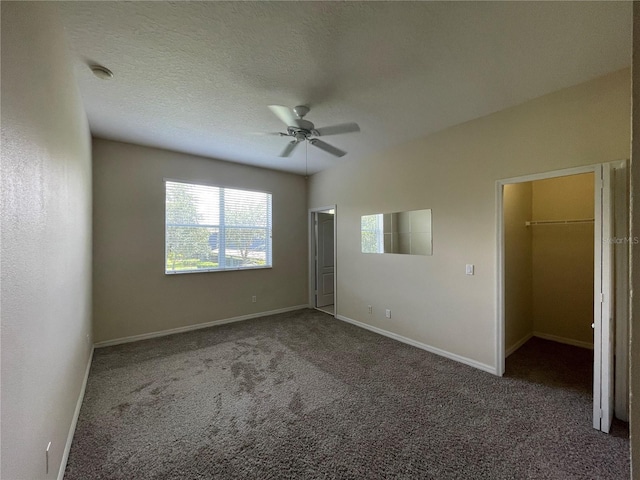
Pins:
x: 253, y: 299
x: 370, y: 309
x: 387, y: 313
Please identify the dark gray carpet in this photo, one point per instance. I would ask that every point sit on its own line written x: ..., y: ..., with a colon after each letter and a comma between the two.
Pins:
x: 302, y: 395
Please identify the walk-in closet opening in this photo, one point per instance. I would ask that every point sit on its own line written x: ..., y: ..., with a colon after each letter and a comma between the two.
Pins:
x: 549, y: 281
x: 563, y: 315
x: 549, y: 261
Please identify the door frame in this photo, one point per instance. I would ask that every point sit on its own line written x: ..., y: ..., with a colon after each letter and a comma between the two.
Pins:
x: 312, y: 255
x: 604, y: 223
x: 622, y: 253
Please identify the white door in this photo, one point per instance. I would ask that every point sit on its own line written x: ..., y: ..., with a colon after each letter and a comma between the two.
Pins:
x: 324, y: 259
x: 603, y: 335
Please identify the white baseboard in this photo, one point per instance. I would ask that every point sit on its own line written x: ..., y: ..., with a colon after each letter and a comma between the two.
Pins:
x: 568, y: 341
x: 74, y: 420
x: 518, y: 344
x: 423, y: 346
x: 171, y: 331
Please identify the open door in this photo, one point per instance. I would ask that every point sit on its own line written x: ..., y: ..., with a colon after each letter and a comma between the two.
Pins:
x: 324, y: 259
x: 603, y: 335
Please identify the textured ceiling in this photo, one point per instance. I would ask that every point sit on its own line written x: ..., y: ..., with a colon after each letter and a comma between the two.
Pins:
x: 197, y: 77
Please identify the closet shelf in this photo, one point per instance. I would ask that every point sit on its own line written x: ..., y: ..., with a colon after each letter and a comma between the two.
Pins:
x: 558, y: 222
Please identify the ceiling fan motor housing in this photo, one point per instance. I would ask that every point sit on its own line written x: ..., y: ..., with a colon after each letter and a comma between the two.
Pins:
x: 304, y: 129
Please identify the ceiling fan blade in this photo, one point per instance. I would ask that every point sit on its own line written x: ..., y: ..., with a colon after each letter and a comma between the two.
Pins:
x: 327, y: 148
x: 288, y: 150
x: 268, y: 134
x: 285, y: 114
x: 337, y: 129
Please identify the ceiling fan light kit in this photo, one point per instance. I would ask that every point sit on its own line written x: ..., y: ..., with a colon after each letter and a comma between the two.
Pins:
x: 300, y: 130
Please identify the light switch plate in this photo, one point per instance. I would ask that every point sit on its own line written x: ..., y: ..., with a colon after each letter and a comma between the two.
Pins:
x: 470, y: 269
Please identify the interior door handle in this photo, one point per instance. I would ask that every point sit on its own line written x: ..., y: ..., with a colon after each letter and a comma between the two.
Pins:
x: 593, y: 325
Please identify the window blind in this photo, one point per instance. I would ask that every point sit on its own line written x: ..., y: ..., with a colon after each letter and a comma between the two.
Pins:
x: 215, y: 228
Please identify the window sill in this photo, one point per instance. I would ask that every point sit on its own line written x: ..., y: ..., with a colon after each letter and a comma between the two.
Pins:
x: 215, y: 270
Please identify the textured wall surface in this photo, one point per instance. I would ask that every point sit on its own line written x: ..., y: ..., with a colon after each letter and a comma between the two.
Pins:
x: 46, y: 241
x: 132, y: 294
x: 454, y: 173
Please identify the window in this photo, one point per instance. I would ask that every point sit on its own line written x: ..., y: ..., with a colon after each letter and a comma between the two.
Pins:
x: 215, y: 228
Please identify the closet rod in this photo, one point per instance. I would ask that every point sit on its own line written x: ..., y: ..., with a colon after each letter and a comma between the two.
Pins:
x: 558, y: 222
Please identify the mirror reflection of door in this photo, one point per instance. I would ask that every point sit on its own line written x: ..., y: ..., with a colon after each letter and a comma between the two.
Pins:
x: 324, y: 259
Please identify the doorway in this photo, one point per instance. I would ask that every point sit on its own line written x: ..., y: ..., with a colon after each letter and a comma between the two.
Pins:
x: 577, y: 243
x: 322, y: 259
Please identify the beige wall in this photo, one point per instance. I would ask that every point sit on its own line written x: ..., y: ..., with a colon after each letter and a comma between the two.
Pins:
x: 46, y: 241
x: 634, y: 356
x: 132, y: 295
x: 562, y: 258
x: 518, y: 275
x: 454, y: 172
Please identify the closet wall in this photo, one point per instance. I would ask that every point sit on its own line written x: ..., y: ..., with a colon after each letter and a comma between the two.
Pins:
x: 518, y: 276
x: 549, y: 267
x: 562, y: 259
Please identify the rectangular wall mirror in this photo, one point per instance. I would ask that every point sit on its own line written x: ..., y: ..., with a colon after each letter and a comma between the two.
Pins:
x: 398, y: 232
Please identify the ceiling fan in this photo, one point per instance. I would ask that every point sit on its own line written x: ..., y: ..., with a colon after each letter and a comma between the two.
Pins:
x: 300, y: 130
